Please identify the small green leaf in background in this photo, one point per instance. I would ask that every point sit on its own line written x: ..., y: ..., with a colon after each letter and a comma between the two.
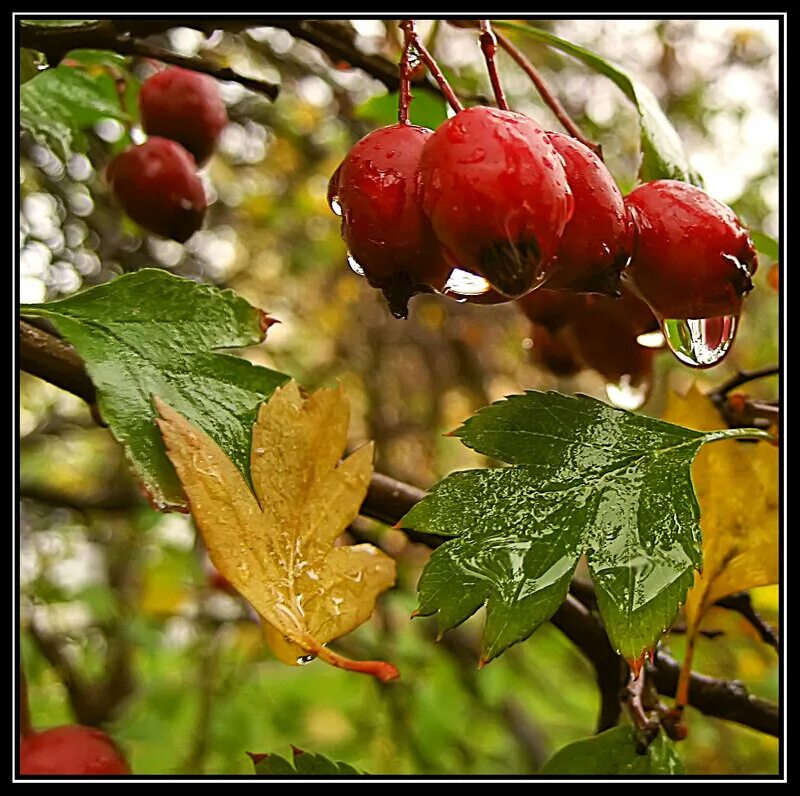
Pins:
x: 586, y: 478
x: 57, y: 105
x: 765, y: 244
x: 152, y: 333
x: 301, y: 763
x: 614, y: 752
x: 426, y: 110
x: 663, y: 154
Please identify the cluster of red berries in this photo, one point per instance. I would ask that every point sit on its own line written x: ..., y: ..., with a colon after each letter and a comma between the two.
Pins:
x: 156, y: 182
x: 490, y: 194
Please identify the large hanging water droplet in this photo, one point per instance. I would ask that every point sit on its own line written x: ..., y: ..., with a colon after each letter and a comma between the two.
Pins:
x: 304, y: 659
x: 700, y: 342
x: 625, y: 394
x: 333, y: 201
x: 463, y: 283
x: 354, y: 264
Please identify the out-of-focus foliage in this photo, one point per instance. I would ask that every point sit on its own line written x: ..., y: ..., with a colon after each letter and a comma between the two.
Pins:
x: 101, y: 572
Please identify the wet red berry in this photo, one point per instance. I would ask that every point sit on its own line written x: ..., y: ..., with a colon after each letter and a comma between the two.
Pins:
x: 497, y: 196
x: 70, y: 749
x: 157, y: 185
x: 186, y: 107
x: 692, y: 257
x: 597, y: 241
x: 376, y: 191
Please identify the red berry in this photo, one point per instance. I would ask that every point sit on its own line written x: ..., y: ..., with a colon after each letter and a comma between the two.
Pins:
x: 550, y: 308
x: 186, y: 107
x: 70, y: 749
x: 551, y: 352
x: 157, y: 185
x: 596, y: 244
x: 496, y: 193
x: 692, y: 257
x: 376, y: 189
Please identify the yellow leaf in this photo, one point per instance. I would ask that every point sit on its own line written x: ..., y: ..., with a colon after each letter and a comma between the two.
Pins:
x: 737, y: 489
x: 276, y: 547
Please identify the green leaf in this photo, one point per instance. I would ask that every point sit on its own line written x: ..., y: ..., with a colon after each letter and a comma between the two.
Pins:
x: 614, y: 752
x: 586, y: 479
x: 103, y: 58
x: 152, y: 333
x: 663, y: 154
x: 426, y: 110
x: 765, y: 244
x: 59, y: 103
x: 303, y: 763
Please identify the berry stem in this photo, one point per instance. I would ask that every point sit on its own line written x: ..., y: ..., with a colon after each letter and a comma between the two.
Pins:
x: 407, y: 26
x: 436, y: 72
x: 544, y: 92
x: 489, y: 46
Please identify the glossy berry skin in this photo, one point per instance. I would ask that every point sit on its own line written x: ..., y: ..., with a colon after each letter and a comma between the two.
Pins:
x: 186, y: 107
x: 692, y: 257
x: 597, y: 241
x: 377, y: 191
x: 497, y: 196
x: 70, y: 749
x: 157, y: 185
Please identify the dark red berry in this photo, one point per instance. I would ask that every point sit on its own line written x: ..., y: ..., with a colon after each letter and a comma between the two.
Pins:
x: 497, y: 196
x: 376, y: 191
x: 692, y: 257
x: 551, y: 352
x: 552, y: 309
x: 186, y: 107
x: 70, y: 749
x: 157, y: 185
x: 597, y: 240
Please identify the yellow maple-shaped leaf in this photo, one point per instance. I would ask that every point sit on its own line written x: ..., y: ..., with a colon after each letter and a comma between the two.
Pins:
x: 737, y: 489
x: 276, y: 547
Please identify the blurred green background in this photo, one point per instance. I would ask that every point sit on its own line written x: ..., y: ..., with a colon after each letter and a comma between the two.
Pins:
x: 120, y: 596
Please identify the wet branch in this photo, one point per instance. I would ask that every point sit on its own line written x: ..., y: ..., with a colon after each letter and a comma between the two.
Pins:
x: 388, y: 500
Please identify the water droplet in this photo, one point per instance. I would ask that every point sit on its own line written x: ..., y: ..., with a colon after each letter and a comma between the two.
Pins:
x: 304, y: 659
x: 354, y: 264
x: 651, y: 339
x: 260, y: 451
x: 700, y: 342
x: 626, y: 395
x: 463, y: 283
x: 335, y: 206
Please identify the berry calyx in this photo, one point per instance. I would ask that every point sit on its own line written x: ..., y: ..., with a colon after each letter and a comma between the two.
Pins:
x: 497, y: 196
x: 376, y: 192
x: 71, y: 749
x: 157, y: 185
x: 692, y: 257
x: 186, y: 107
x: 597, y: 240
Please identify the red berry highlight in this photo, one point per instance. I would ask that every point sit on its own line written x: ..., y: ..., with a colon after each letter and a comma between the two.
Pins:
x: 157, y: 185
x: 597, y: 241
x: 186, y: 107
x: 692, y: 257
x: 71, y: 749
x: 497, y: 196
x: 376, y: 191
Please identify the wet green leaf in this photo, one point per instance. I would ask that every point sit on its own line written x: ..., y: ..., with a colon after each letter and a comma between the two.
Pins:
x: 586, y: 479
x: 303, y: 763
x: 663, y: 154
x: 57, y: 105
x: 614, y: 752
x: 152, y: 333
x: 426, y: 110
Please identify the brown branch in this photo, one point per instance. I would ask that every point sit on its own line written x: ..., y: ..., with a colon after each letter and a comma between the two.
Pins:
x: 743, y: 604
x: 389, y: 500
x: 55, y: 43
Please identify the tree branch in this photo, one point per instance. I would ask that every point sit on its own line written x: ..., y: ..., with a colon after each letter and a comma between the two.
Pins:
x: 55, y: 43
x: 388, y: 500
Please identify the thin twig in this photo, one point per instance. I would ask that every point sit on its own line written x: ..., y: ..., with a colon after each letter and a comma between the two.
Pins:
x: 488, y: 41
x: 743, y: 604
x: 438, y: 75
x: 546, y: 94
x: 404, y: 100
